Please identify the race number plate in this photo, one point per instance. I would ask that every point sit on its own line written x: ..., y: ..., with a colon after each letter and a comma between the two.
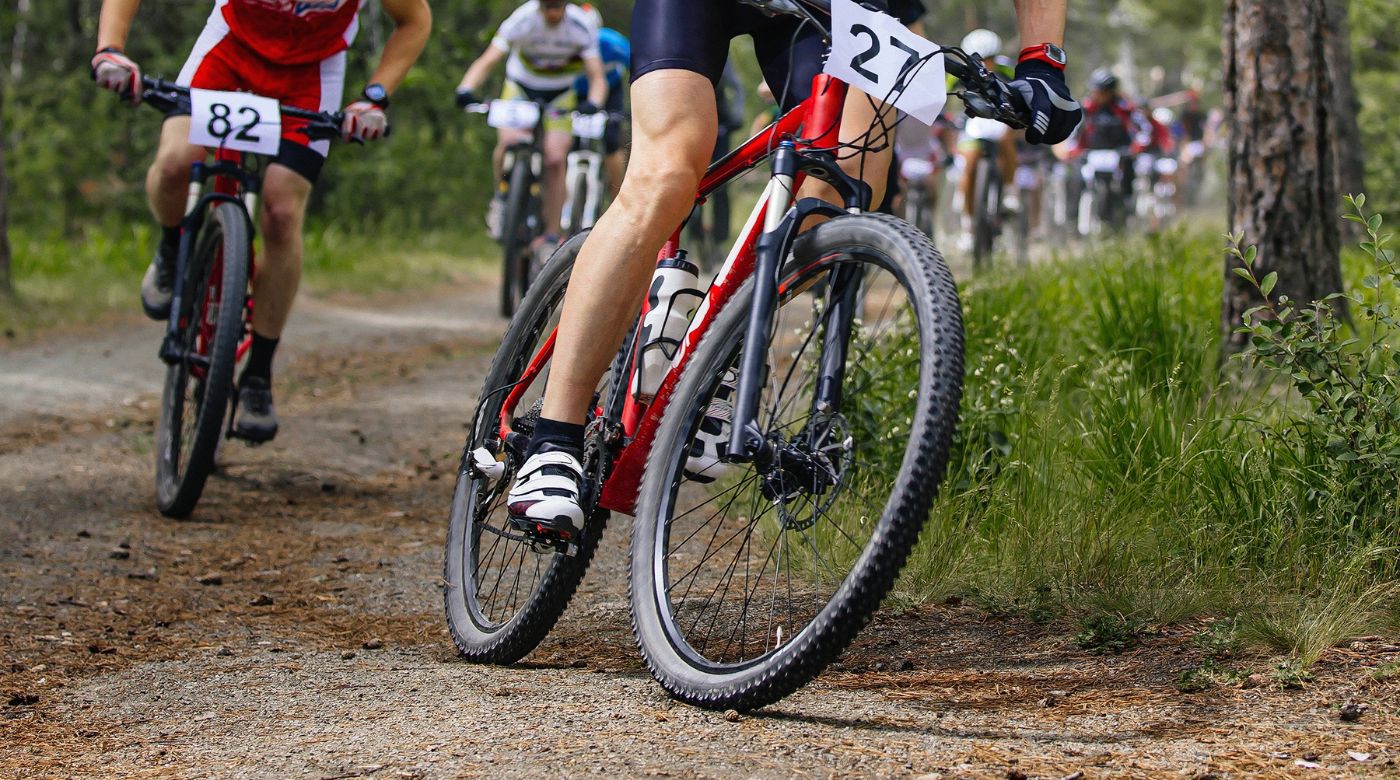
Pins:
x: 513, y: 114
x: 1102, y: 160
x: 235, y: 120
x: 590, y: 127
x: 876, y: 54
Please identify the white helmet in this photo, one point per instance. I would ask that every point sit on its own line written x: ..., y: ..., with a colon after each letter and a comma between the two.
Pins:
x: 1163, y: 115
x: 595, y: 17
x: 982, y: 41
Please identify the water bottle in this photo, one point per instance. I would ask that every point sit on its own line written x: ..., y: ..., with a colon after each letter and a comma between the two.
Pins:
x: 671, y: 301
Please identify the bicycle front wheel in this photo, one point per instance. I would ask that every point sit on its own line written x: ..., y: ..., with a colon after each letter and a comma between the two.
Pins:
x: 748, y: 579
x: 197, y: 387
x: 516, y: 236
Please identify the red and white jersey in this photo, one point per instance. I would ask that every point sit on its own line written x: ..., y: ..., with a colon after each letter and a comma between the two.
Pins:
x: 291, y: 32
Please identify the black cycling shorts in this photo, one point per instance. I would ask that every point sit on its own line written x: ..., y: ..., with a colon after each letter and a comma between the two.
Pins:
x: 612, y: 136
x: 694, y: 35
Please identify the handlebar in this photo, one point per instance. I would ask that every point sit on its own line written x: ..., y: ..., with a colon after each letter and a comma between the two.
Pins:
x: 168, y: 96
x: 546, y: 110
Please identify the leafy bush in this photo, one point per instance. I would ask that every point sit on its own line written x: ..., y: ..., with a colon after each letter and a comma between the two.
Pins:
x: 1104, y: 467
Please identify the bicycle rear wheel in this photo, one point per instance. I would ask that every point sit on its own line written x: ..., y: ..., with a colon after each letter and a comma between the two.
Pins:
x: 516, y: 236
x: 747, y: 581
x: 197, y: 388
x: 503, y: 592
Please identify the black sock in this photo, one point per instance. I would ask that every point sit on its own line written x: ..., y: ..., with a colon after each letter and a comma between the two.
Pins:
x: 552, y: 435
x: 260, y: 358
x: 169, y: 242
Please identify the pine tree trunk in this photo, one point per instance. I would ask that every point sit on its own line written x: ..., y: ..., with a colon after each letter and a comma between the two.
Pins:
x: 6, y: 283
x: 1346, y: 107
x: 1283, y: 182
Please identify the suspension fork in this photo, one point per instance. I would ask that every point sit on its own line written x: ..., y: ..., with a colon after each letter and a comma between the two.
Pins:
x: 843, y: 301
x: 746, y: 440
x: 171, y: 348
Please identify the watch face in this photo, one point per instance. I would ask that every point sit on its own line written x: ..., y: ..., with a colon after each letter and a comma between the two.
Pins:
x: 376, y: 93
x: 1055, y: 53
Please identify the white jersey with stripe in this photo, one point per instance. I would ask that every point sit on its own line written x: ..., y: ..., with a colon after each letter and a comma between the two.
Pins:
x: 545, y: 57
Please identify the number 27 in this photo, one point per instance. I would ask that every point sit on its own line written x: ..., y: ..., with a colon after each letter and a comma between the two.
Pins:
x: 857, y: 62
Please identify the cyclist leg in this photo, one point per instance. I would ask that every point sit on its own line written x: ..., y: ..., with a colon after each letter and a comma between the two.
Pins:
x: 557, y: 144
x: 167, y: 185
x: 168, y: 178
x: 673, y: 132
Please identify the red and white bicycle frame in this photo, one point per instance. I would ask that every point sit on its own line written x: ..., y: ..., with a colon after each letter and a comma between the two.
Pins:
x: 819, y: 118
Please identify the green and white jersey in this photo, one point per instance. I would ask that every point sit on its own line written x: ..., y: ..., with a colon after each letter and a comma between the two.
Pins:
x: 546, y: 57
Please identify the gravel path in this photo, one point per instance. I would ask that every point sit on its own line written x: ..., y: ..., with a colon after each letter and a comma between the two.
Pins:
x: 293, y: 628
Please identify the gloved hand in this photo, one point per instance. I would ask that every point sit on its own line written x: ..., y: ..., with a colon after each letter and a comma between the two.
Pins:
x: 1039, y: 89
x: 115, y: 71
x: 364, y: 121
x: 465, y: 97
x: 586, y: 107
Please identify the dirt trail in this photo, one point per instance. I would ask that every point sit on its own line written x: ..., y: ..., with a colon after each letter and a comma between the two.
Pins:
x: 293, y: 626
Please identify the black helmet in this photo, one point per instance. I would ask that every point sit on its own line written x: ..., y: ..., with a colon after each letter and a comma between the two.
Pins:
x: 1104, y: 79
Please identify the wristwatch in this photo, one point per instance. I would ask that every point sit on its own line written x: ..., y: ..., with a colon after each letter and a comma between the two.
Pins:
x: 377, y: 94
x: 1045, y: 52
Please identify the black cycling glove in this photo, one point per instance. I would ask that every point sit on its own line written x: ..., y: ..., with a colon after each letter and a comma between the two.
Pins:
x: 465, y: 97
x: 586, y: 107
x: 1039, y: 88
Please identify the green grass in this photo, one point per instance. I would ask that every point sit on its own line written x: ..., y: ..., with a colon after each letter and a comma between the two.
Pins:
x: 74, y: 280
x: 1105, y: 467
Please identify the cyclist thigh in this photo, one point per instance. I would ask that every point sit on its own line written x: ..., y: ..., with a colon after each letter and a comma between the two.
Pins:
x: 506, y: 136
x: 176, y: 154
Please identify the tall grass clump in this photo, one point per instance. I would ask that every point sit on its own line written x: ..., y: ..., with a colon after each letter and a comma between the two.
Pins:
x: 1105, y: 465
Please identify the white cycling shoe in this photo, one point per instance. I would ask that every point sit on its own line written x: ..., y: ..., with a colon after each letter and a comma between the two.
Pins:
x: 706, y: 461
x: 545, y: 497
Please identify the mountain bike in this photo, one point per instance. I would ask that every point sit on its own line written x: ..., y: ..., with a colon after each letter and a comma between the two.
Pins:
x: 522, y: 171
x: 583, y: 170
x: 987, y: 213
x: 1106, y: 199
x: 210, y: 324
x: 761, y: 546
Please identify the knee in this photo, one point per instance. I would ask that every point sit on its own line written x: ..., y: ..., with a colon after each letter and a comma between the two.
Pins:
x: 554, y: 161
x: 170, y: 170
x: 663, y: 188
x: 281, y: 222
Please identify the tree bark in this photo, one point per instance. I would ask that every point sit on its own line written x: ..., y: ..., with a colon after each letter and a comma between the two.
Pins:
x: 1346, y: 107
x: 6, y: 283
x: 1283, y: 181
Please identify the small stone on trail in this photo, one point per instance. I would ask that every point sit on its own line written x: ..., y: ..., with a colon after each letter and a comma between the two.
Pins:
x: 263, y: 600
x: 347, y: 655
x: 327, y: 487
x: 373, y: 644
x: 1357, y: 755
x: 212, y: 578
x: 1351, y: 712
x: 84, y: 534
x: 1255, y: 680
x: 224, y: 652
x: 1311, y: 755
x: 1074, y: 776
x: 149, y: 574
x: 731, y: 715
x: 120, y: 554
x: 1016, y: 774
